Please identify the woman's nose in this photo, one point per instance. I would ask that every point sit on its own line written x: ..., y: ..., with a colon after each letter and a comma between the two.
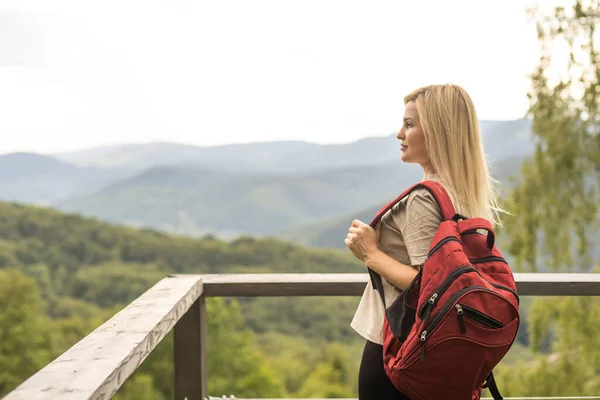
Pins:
x: 400, y: 134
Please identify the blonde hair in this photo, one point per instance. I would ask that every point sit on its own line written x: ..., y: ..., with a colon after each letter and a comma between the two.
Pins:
x: 453, y: 139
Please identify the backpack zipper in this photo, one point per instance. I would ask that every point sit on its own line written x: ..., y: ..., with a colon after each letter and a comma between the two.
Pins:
x: 427, y: 307
x: 471, y: 260
x: 487, y: 259
x: 441, y: 243
x: 461, y: 321
x: 496, y: 285
x: 499, y: 259
x: 429, y: 328
x: 477, y: 316
x: 508, y: 290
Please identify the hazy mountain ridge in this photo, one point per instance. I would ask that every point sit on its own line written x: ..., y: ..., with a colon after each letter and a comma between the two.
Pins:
x: 501, y: 139
x: 244, y: 203
x: 258, y: 188
x: 37, y: 179
x: 327, y: 233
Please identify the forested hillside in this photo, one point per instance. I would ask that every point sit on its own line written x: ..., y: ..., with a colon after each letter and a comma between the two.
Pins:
x: 62, y: 275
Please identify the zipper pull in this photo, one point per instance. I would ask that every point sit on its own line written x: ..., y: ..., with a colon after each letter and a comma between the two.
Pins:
x: 432, y: 298
x: 429, y: 306
x: 461, y: 321
x: 423, y: 337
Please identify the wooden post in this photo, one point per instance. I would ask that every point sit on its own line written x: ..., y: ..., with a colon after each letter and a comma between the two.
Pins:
x: 190, y: 353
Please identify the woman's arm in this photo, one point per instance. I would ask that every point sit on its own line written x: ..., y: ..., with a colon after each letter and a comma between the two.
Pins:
x: 362, y: 240
x: 423, y: 218
x: 395, y: 272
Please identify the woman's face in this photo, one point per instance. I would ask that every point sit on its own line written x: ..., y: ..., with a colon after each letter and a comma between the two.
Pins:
x: 413, y: 147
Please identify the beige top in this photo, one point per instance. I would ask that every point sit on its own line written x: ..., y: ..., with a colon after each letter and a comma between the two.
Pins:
x: 406, y: 234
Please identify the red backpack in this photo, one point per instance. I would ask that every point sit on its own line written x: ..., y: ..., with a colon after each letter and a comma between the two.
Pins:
x: 446, y: 332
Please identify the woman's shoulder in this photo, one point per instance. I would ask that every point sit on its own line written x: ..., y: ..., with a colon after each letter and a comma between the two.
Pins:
x: 418, y: 200
x: 417, y: 210
x: 421, y: 201
x: 418, y: 196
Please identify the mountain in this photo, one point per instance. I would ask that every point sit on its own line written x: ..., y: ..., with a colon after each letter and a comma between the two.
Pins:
x: 288, y: 156
x: 139, y: 157
x: 198, y: 201
x: 506, y: 139
x: 330, y: 232
x: 37, y: 179
x: 257, y: 188
x: 501, y: 139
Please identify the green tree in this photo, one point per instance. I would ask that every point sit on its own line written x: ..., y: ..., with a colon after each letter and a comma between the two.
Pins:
x: 235, y: 366
x: 24, y: 344
x: 330, y: 378
x: 555, y: 204
x: 115, y: 283
x: 140, y: 386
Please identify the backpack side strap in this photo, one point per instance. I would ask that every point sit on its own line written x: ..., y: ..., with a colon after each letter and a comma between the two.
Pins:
x: 490, y: 383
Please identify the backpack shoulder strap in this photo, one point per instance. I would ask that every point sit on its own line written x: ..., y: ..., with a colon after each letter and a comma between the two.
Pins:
x: 389, y: 205
x: 441, y: 196
x: 444, y: 202
x: 437, y: 191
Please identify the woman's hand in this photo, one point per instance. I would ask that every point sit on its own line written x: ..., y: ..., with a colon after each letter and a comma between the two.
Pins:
x: 362, y: 240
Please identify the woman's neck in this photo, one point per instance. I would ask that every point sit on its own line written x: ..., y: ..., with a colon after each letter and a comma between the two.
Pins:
x: 430, y: 175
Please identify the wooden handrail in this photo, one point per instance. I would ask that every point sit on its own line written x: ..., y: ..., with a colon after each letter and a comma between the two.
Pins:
x: 98, y: 365
x: 528, y: 284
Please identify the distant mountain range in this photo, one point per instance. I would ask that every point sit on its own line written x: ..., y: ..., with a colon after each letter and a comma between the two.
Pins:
x: 502, y: 139
x: 200, y: 201
x: 37, y: 179
x: 331, y: 232
x: 278, y: 189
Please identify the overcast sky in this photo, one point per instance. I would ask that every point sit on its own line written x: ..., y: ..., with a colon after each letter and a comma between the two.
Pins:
x: 76, y: 74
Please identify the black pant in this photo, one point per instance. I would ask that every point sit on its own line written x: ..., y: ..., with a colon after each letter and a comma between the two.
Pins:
x: 373, y: 383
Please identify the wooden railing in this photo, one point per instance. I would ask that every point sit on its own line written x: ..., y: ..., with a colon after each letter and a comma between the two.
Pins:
x: 98, y: 365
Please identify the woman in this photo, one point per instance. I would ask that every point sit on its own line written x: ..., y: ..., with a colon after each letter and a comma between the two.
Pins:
x: 441, y: 133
